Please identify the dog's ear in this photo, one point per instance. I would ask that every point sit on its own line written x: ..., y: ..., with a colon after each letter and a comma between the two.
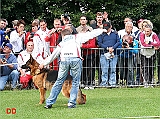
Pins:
x: 29, y: 62
x: 31, y: 59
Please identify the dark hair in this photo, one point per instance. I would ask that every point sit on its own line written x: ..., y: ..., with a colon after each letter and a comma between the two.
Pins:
x: 99, y: 14
x: 21, y: 22
x: 42, y: 20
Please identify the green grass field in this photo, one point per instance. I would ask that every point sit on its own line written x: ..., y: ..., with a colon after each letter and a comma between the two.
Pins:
x: 101, y: 103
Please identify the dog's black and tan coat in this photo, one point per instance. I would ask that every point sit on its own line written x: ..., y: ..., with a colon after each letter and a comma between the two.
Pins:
x: 45, y: 78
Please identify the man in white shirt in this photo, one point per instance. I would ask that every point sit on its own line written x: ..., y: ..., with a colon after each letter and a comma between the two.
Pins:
x: 127, y: 31
x: 70, y: 55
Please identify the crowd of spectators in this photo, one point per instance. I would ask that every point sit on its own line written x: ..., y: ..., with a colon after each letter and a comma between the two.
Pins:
x: 120, y: 52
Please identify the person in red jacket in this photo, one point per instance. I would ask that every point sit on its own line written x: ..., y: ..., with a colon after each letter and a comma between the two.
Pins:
x: 52, y: 37
x: 89, y: 62
x: 29, y: 35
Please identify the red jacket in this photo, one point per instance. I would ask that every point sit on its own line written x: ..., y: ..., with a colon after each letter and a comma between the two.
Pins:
x: 89, y: 44
x: 26, y: 38
x: 52, y: 39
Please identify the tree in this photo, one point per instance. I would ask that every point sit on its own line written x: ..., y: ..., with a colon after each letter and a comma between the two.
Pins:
x: 50, y: 9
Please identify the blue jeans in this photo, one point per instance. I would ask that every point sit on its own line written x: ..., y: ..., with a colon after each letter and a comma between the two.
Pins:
x: 13, y: 76
x: 70, y: 64
x: 108, y: 67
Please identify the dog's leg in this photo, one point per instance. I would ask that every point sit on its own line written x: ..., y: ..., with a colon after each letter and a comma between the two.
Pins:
x: 66, y: 88
x: 42, y: 95
x: 38, y: 80
x: 81, y: 98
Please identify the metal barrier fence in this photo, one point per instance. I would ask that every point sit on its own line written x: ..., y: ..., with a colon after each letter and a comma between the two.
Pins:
x: 131, y: 69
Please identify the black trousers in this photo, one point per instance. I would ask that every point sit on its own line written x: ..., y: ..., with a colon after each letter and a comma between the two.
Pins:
x: 158, y: 55
x: 147, y: 65
x: 88, y: 74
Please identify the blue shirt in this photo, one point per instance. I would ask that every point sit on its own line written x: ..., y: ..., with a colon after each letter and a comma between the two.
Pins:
x: 1, y: 37
x: 112, y: 40
x: 5, y: 70
x: 128, y: 53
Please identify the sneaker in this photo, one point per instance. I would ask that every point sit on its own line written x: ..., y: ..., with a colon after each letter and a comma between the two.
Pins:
x: 48, y: 106
x: 82, y: 85
x: 90, y: 87
x: 86, y: 88
x: 72, y: 106
x: 19, y: 86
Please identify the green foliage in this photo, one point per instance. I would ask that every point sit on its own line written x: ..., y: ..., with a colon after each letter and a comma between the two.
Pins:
x: 50, y: 9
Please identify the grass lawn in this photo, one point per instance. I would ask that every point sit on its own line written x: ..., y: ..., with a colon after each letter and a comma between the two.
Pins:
x: 101, y: 103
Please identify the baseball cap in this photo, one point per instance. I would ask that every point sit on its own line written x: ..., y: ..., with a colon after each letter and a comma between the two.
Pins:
x: 140, y: 20
x: 67, y: 17
x: 106, y: 25
x: 8, y: 45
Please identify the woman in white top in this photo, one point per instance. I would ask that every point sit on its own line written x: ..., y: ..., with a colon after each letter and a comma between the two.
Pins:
x: 17, y: 37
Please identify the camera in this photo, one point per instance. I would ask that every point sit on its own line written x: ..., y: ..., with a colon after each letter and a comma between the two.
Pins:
x: 66, y: 16
x: 128, y: 42
x: 125, y: 44
x: 32, y: 34
x: 59, y: 29
x: 4, y: 60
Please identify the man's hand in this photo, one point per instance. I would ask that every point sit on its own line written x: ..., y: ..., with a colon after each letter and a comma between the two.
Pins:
x: 110, y: 49
x: 41, y: 66
x: 52, y: 31
x: 22, y: 72
x: 156, y: 48
x: 21, y: 33
x: 3, y: 61
x: 7, y: 30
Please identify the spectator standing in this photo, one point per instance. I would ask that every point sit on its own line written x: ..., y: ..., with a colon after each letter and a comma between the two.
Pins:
x: 98, y: 24
x: 88, y: 55
x: 137, y: 56
x: 41, y: 46
x: 127, y: 19
x: 70, y: 54
x: 17, y: 37
x: 105, y: 17
x: 158, y: 61
x: 14, y: 23
x: 83, y: 25
x: 108, y: 58
x: 29, y: 35
x: 99, y: 21
x: 126, y: 60
x: 52, y: 38
x: 149, y: 42
x: 3, y: 32
x: 65, y: 19
x: 37, y: 22
x: 8, y: 67
x: 127, y: 31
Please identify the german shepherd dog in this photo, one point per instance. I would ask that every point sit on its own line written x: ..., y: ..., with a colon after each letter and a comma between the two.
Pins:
x: 45, y: 78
